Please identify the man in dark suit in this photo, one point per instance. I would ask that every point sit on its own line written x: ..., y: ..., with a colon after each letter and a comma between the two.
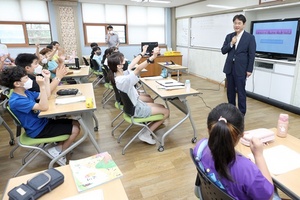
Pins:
x: 240, y: 48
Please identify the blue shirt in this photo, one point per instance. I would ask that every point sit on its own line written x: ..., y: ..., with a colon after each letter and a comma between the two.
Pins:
x: 22, y: 106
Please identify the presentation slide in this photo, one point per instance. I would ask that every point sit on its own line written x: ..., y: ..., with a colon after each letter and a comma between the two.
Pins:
x: 275, y: 37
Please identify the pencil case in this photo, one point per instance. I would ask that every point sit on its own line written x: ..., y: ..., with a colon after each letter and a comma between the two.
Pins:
x: 63, y: 92
x: 265, y: 135
x: 37, y: 186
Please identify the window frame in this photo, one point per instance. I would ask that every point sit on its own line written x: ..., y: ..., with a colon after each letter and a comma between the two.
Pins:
x: 105, y: 25
x: 26, y: 38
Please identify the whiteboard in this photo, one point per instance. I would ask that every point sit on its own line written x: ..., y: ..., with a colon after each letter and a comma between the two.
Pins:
x: 210, y: 31
x: 182, y: 32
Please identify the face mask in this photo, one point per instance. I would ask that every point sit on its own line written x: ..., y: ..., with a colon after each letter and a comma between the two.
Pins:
x: 38, y: 69
x: 111, y: 32
x: 125, y: 66
x: 28, y: 84
x: 44, y: 61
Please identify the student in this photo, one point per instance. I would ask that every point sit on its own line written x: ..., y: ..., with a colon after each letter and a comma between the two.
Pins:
x: 111, y: 38
x: 23, y: 104
x: 240, y: 49
x: 97, y: 56
x: 52, y: 63
x: 125, y: 81
x: 31, y: 65
x: 93, y: 44
x: 240, y: 177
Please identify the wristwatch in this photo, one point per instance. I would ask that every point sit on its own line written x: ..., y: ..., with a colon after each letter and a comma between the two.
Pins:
x: 149, y: 61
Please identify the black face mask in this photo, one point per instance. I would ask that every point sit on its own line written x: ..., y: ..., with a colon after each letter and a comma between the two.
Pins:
x: 125, y: 66
x: 98, y: 53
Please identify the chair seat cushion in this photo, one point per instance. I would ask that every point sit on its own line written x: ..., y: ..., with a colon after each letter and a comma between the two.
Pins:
x: 118, y: 106
x: 109, y: 86
x: 142, y: 120
x: 24, y: 139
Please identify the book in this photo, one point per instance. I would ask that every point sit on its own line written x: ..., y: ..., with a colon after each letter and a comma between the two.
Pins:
x: 169, y: 83
x: 94, y: 170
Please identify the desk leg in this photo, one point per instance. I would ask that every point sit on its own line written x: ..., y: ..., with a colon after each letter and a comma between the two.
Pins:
x: 183, y: 106
x: 84, y: 123
x: 178, y: 75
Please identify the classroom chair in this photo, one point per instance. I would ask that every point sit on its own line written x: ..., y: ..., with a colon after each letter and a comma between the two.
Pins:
x: 205, y: 187
x: 119, y: 106
x: 34, y: 145
x: 108, y: 93
x: 95, y: 70
x: 128, y: 116
x: 86, y: 63
x: 6, y: 93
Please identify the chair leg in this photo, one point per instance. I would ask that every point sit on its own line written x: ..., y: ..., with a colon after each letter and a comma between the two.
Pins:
x: 96, y: 122
x: 120, y: 136
x: 117, y: 126
x: 25, y: 164
x: 132, y: 139
x: 11, y: 154
x: 108, y: 91
x: 112, y: 122
x: 111, y: 96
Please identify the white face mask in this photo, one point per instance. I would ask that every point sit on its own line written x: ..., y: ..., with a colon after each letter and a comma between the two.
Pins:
x: 38, y: 69
x: 28, y: 84
x: 111, y: 32
x: 44, y: 61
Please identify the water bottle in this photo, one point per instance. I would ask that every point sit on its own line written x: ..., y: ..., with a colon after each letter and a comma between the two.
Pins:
x: 283, y: 123
x: 187, y: 85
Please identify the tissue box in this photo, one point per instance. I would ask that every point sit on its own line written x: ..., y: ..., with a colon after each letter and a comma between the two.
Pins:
x: 265, y: 135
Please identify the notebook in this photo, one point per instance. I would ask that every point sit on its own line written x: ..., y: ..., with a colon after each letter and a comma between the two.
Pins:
x: 169, y: 83
x: 68, y: 100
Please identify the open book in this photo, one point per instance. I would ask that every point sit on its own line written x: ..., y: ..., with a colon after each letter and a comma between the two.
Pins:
x: 94, y: 170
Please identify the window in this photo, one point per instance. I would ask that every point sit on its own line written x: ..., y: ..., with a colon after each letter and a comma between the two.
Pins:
x: 95, y: 24
x: 28, y: 26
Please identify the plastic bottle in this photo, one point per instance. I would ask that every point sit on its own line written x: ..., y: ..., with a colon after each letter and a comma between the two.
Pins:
x: 187, y: 85
x: 282, y: 127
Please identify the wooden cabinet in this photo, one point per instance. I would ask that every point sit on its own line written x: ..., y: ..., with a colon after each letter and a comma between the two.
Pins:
x: 155, y: 69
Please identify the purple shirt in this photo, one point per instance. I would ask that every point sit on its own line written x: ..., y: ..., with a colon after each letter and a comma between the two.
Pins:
x: 248, y: 181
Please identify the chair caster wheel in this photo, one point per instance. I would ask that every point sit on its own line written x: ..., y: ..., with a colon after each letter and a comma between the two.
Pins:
x: 194, y: 140
x: 95, y: 128
x: 161, y: 149
x: 11, y: 142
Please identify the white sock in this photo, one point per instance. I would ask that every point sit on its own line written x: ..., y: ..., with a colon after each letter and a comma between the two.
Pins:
x: 58, y: 148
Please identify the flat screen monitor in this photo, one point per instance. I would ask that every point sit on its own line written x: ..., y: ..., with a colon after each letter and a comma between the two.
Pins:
x: 276, y: 38
x: 151, y: 46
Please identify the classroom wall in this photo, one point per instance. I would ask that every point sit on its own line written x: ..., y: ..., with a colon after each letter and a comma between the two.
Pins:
x: 128, y: 50
x: 208, y: 62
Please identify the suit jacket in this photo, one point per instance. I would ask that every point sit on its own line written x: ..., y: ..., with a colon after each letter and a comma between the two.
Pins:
x: 242, y: 58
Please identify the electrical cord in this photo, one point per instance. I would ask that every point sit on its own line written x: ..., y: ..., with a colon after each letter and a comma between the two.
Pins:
x: 204, y: 102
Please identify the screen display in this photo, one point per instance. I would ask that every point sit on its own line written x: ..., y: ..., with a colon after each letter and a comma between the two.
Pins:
x: 277, y: 36
x: 151, y: 46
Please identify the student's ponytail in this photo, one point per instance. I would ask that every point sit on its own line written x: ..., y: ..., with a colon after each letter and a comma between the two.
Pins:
x: 225, y: 125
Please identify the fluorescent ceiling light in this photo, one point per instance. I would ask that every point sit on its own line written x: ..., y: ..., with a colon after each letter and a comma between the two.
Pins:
x: 151, y: 1
x: 274, y: 6
x: 220, y: 6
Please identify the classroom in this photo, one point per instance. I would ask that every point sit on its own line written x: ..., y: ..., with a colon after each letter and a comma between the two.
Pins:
x: 190, y: 35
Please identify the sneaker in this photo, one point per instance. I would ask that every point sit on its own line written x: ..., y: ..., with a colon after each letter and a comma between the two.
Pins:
x: 145, y: 136
x: 54, y: 153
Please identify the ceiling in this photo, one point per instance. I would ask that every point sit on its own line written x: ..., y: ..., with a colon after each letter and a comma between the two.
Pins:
x: 174, y: 3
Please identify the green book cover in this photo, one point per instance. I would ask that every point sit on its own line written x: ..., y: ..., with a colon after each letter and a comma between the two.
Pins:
x: 94, y: 170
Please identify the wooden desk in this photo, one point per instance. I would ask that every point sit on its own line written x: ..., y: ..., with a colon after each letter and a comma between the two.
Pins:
x: 155, y: 69
x: 172, y: 67
x: 178, y: 98
x: 78, y: 109
x: 111, y: 190
x: 288, y: 182
x: 77, y: 75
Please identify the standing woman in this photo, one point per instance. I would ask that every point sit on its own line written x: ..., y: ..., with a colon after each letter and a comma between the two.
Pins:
x: 125, y: 82
x: 238, y: 175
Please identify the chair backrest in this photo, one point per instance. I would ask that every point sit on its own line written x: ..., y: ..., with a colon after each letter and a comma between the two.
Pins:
x: 16, y: 120
x: 208, y: 189
x: 117, y: 95
x: 85, y: 61
x: 128, y: 107
x: 95, y: 65
x: 105, y: 71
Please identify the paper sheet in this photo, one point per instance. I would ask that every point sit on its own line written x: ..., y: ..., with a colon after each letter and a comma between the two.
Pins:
x: 68, y: 100
x: 154, y: 78
x: 280, y: 159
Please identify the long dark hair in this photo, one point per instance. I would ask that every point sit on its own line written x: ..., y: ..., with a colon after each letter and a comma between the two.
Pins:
x: 113, y: 61
x: 225, y: 124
